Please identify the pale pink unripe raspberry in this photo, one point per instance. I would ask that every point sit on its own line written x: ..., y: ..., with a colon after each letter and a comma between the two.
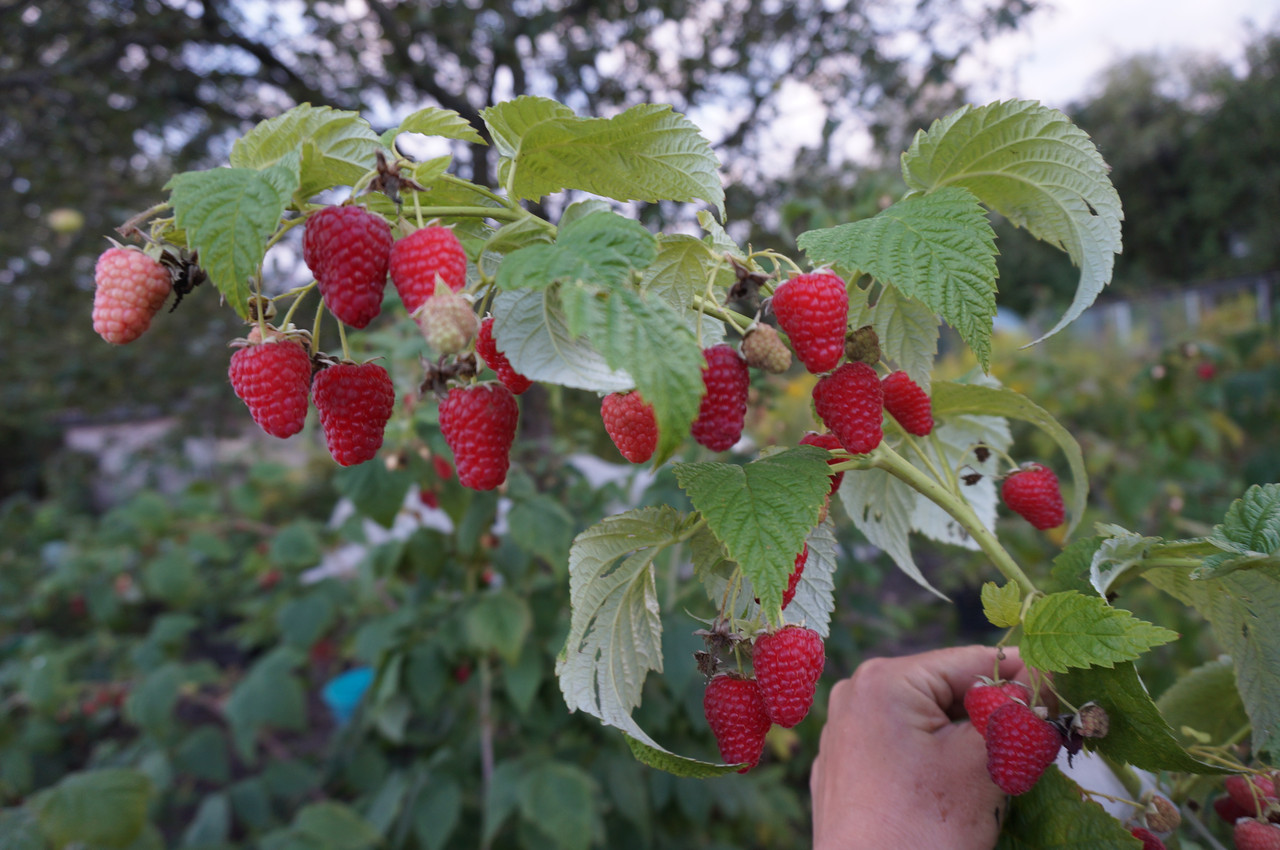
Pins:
x: 130, y: 288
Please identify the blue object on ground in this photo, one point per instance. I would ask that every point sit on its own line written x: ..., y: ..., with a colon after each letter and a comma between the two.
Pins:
x: 343, y: 692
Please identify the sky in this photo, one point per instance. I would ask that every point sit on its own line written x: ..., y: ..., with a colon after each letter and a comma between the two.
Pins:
x: 1058, y: 56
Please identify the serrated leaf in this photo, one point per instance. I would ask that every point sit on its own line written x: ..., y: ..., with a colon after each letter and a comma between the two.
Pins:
x: 1204, y: 700
x: 615, y: 633
x: 951, y: 447
x: 1032, y: 165
x: 429, y: 170
x: 646, y: 153
x: 680, y: 270
x: 1115, y: 556
x: 1055, y: 813
x: 1068, y: 629
x: 1002, y: 605
x: 435, y: 121
x: 881, y: 507
x: 601, y: 248
x: 106, y: 807
x: 815, y: 594
x: 531, y: 330
x: 762, y: 512
x: 939, y: 248
x: 954, y: 398
x: 677, y: 765
x: 907, y: 329
x: 342, y: 146
x: 717, y: 238
x: 229, y: 215
x: 1070, y: 569
x: 1240, y: 606
x: 1249, y: 535
x: 645, y: 336
x: 1138, y: 734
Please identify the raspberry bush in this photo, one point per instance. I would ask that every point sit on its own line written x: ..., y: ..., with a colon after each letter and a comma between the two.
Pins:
x: 594, y: 301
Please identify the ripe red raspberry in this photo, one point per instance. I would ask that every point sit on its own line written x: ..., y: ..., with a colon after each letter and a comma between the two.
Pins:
x: 130, y: 288
x: 1252, y: 794
x: 723, y: 410
x: 487, y: 347
x: 347, y: 248
x: 1033, y: 494
x: 908, y: 403
x: 981, y: 700
x: 813, y: 310
x: 788, y: 664
x: 850, y: 402
x: 829, y: 442
x: 764, y: 349
x: 447, y: 321
x: 794, y: 581
x: 734, y: 708
x: 630, y: 423
x: 355, y: 401
x: 273, y: 379
x: 1228, y: 809
x: 1256, y: 835
x: 1020, y: 745
x: 1149, y: 840
x: 479, y: 424
x: 419, y: 257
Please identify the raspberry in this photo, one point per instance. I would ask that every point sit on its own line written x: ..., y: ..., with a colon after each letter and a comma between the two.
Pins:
x: 447, y: 321
x: 1252, y: 794
x: 479, y: 424
x: 1033, y: 494
x: 130, y: 288
x: 813, y: 310
x: 794, y: 581
x: 1228, y: 809
x: 355, y: 402
x: 850, y: 402
x: 908, y: 403
x: 1149, y: 840
x: 1256, y: 835
x: 1020, y: 745
x: 274, y: 379
x: 487, y: 346
x: 863, y: 345
x: 830, y: 443
x: 347, y: 248
x: 788, y: 664
x: 723, y: 410
x: 630, y: 423
x: 419, y: 257
x: 981, y: 700
x: 764, y: 349
x: 734, y: 708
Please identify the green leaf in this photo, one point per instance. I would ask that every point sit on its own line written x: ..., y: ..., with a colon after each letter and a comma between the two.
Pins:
x: 907, y: 329
x: 106, y: 807
x: 601, y: 248
x: 1070, y: 629
x: 19, y: 830
x: 530, y: 328
x: 150, y: 704
x: 502, y: 798
x: 1033, y: 166
x: 938, y: 248
x: 615, y: 633
x: 1240, y: 606
x: 1056, y: 814
x: 677, y: 765
x: 1249, y: 535
x: 211, y: 824
x: 955, y: 398
x: 378, y: 492
x: 434, y: 121
x: 304, y: 620
x: 429, y: 170
x: 270, y: 695
x: 1071, y: 568
x: 1002, y: 605
x: 229, y: 215
x: 340, y: 146
x: 1115, y: 556
x: 1204, y: 702
x: 762, y: 512
x: 881, y: 507
x: 815, y: 593
x: 559, y: 800
x: 647, y: 153
x: 645, y: 336
x: 336, y: 827
x: 436, y: 813
x: 680, y: 270
x: 499, y: 622
x: 1138, y: 735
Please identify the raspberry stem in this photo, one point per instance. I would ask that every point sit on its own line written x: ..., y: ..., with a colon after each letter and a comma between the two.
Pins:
x: 736, y: 320
x: 883, y: 457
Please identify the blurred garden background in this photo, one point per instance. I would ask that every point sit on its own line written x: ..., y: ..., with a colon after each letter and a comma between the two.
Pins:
x: 183, y: 601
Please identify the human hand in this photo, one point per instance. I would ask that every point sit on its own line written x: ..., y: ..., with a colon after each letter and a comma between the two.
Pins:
x: 894, y: 769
